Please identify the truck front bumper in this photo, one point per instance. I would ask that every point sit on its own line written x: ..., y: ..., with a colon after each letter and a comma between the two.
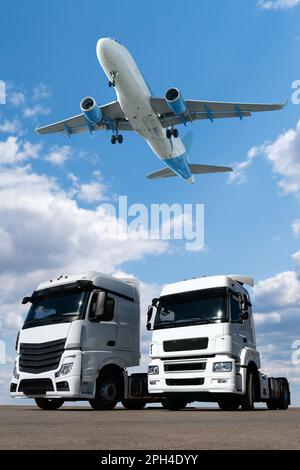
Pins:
x: 174, y: 376
x: 50, y: 385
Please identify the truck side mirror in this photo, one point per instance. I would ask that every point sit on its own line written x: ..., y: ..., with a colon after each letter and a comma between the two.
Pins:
x: 97, y: 308
x: 149, y: 317
x: 244, y: 315
x: 244, y: 308
x: 26, y: 300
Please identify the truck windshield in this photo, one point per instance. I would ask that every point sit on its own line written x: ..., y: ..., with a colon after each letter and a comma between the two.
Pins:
x: 58, y: 309
x: 183, y: 310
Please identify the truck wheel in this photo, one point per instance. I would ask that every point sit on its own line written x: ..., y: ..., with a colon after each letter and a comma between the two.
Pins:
x: 282, y: 401
x: 285, y: 397
x: 248, y: 399
x: 107, y: 393
x: 174, y: 404
x: 272, y: 404
x: 49, y: 403
x: 134, y: 404
x: 232, y: 405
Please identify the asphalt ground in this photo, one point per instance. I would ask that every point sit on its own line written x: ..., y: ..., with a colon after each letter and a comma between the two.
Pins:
x: 73, y: 427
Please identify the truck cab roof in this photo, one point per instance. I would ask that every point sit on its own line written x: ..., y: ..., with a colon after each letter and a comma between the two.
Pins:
x: 126, y: 287
x: 234, y: 282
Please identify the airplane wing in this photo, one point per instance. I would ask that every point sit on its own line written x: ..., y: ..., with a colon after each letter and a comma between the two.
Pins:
x: 208, y: 110
x: 113, y: 116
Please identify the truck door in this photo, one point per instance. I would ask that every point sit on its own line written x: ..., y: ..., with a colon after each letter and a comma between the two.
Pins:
x: 239, y: 327
x: 101, y: 336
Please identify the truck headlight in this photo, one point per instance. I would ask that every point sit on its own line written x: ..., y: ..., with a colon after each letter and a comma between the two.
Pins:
x: 153, y: 370
x: 222, y: 366
x: 66, y: 367
x: 15, y: 372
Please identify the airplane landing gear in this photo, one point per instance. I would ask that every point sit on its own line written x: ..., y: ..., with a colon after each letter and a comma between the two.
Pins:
x: 112, y: 82
x: 172, y: 132
x: 116, y: 138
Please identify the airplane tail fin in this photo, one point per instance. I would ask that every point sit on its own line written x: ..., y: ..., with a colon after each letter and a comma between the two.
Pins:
x: 194, y: 168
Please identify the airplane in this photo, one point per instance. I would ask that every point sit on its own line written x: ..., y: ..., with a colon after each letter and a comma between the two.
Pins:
x: 154, y: 119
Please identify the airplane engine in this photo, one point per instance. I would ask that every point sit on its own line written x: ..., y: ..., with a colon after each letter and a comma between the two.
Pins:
x: 175, y: 101
x: 91, y: 110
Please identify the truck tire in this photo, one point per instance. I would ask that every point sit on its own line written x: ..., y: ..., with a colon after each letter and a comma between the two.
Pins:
x: 134, y: 404
x: 107, y: 392
x: 283, y: 402
x: 174, y: 404
x: 247, y: 402
x: 285, y: 397
x: 229, y: 405
x: 49, y: 403
x: 272, y: 404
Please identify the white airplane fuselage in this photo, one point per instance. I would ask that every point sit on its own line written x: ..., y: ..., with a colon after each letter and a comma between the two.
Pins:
x: 134, y: 97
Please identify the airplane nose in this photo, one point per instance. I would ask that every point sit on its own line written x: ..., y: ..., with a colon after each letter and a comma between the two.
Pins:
x: 102, y: 48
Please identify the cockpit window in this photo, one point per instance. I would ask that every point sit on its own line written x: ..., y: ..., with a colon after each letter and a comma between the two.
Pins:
x: 114, y: 39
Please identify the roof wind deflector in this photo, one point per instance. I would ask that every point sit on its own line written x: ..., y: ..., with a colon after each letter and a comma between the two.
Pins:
x: 242, y: 279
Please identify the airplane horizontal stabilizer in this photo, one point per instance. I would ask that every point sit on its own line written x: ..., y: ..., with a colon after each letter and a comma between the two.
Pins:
x: 195, y: 170
x: 204, y: 169
x: 164, y: 173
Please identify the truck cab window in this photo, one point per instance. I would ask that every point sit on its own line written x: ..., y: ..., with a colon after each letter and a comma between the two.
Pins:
x: 235, y: 310
x: 184, y: 310
x: 109, y: 308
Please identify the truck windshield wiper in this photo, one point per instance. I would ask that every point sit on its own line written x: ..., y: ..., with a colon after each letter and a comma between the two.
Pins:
x: 195, y: 321
x: 201, y: 319
x: 61, y: 319
x: 166, y: 324
x: 48, y: 320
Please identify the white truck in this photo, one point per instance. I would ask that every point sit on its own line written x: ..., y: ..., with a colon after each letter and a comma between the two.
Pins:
x: 203, y: 347
x: 82, y: 333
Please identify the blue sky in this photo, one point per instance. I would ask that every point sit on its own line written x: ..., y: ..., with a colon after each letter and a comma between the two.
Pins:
x: 216, y: 50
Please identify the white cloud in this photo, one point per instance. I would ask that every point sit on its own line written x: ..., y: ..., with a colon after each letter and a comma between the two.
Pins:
x: 277, y: 4
x: 78, y: 238
x: 10, y: 127
x: 12, y: 320
x: 279, y: 291
x: 283, y: 154
x: 296, y: 228
x: 91, y: 192
x: 88, y: 192
x: 278, y: 325
x: 238, y: 176
x: 2, y: 92
x: 13, y: 150
x: 267, y: 318
x: 17, y: 98
x: 58, y: 155
x: 41, y: 91
x: 36, y: 110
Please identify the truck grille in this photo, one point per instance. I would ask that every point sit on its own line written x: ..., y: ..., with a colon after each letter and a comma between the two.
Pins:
x: 185, y: 366
x: 36, y: 386
x: 41, y: 357
x: 186, y: 382
x: 185, y: 344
